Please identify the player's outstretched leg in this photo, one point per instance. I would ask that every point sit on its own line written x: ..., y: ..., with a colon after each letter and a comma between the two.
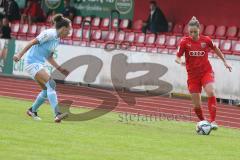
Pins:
x: 212, y: 103
x: 197, y: 105
x: 44, y: 79
x: 42, y: 96
x: 52, y: 97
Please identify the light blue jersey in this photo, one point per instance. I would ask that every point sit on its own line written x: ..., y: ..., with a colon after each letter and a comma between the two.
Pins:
x: 48, y: 41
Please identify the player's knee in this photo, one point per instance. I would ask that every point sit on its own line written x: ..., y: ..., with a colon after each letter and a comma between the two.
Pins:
x: 210, y: 93
x: 197, y: 105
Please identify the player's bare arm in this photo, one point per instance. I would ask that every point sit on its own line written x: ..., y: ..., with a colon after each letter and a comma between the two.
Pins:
x: 52, y: 61
x: 18, y: 56
x: 178, y: 60
x: 220, y: 55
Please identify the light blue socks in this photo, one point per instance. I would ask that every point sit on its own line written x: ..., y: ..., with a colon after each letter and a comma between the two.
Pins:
x: 52, y: 95
x: 42, y: 96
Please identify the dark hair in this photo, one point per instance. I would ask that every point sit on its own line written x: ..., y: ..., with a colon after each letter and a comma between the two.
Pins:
x: 153, y: 2
x: 59, y: 21
x: 194, y: 22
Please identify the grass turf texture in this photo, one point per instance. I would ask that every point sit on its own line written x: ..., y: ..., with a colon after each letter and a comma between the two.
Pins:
x: 106, y: 138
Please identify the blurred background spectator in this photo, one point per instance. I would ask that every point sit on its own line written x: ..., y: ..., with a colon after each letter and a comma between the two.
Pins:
x: 2, y: 6
x: 5, y: 29
x: 33, y: 13
x: 156, y: 21
x: 68, y: 11
x: 11, y: 10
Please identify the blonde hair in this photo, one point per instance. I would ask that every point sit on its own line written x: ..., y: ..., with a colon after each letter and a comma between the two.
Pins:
x: 194, y: 22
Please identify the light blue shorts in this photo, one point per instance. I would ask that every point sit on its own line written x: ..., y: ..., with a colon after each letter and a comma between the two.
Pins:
x: 33, y: 68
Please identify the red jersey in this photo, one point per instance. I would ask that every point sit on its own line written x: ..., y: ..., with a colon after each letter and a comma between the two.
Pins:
x: 196, y: 54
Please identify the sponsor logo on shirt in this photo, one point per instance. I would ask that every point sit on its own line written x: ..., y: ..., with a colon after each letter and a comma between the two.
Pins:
x: 203, y: 45
x: 197, y: 53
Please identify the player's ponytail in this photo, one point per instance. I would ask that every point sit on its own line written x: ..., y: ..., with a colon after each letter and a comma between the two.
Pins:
x: 57, y: 18
x: 59, y: 21
x: 194, y: 22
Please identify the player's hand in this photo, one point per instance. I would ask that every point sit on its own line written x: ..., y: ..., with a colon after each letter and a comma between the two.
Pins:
x: 17, y: 57
x: 183, y: 63
x: 179, y: 61
x: 63, y: 71
x: 228, y: 66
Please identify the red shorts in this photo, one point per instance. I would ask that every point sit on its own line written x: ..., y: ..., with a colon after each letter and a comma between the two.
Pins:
x: 195, y: 84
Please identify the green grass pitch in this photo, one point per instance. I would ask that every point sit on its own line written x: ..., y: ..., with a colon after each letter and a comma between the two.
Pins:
x: 106, y: 138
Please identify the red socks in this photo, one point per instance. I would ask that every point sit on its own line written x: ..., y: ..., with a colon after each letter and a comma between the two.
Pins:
x: 198, y: 111
x: 212, y: 108
x: 212, y: 102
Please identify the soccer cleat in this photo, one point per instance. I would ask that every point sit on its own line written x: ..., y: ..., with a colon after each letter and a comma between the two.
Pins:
x: 34, y: 115
x: 214, y: 125
x: 60, y: 117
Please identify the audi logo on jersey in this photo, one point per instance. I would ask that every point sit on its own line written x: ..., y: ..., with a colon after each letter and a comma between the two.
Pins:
x: 197, y: 53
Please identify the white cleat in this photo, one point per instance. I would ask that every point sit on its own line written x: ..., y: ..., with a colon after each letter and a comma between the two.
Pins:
x: 214, y: 125
x: 34, y: 115
x: 36, y: 118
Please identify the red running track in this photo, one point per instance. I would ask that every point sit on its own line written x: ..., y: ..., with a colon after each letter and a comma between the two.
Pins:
x: 123, y: 102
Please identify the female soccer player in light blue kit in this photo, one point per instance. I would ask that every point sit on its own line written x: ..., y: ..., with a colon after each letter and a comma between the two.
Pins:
x: 37, y: 52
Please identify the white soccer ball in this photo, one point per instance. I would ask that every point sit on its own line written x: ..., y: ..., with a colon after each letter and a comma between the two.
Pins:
x: 203, y: 128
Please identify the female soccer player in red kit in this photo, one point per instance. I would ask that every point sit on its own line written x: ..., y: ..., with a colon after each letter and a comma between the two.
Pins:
x: 195, y: 47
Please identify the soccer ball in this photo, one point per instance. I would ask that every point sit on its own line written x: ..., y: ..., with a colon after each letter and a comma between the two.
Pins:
x: 203, y: 128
